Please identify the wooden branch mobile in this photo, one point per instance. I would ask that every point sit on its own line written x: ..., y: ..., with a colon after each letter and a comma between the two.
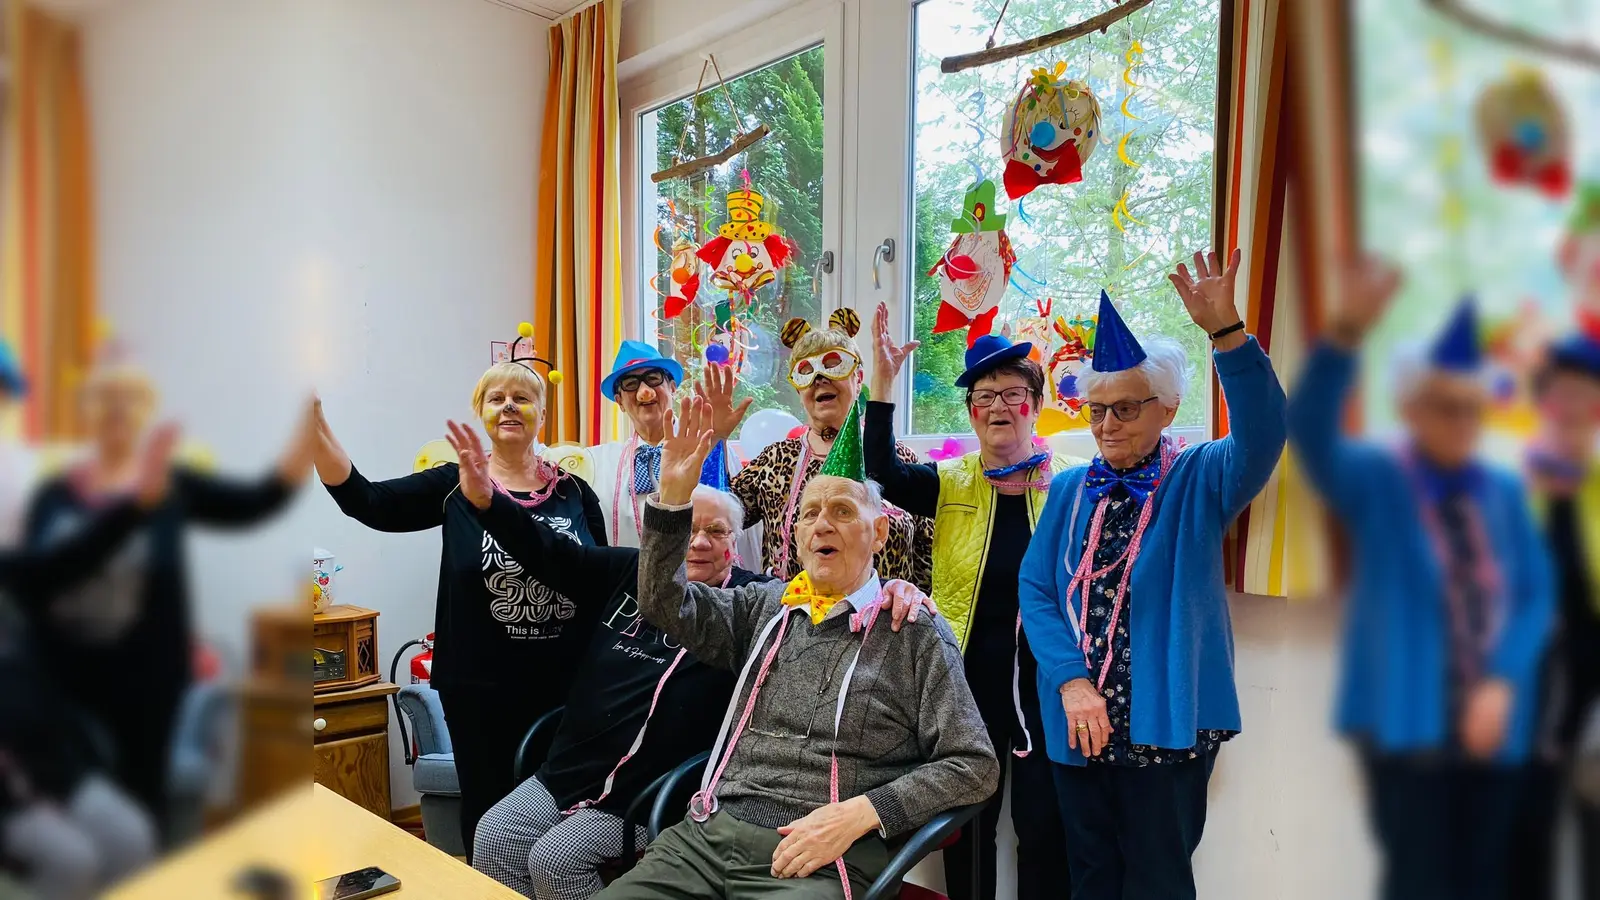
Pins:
x: 740, y: 144
x: 1088, y: 26
x: 1572, y: 51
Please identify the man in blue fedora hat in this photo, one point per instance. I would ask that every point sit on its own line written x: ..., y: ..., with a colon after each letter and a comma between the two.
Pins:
x: 1448, y: 608
x: 624, y: 472
x: 984, y: 507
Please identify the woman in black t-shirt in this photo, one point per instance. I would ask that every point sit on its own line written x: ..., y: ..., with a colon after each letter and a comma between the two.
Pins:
x: 507, y: 644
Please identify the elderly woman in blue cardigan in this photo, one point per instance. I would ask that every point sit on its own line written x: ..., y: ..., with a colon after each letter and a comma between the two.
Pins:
x: 1449, y: 607
x: 1123, y: 598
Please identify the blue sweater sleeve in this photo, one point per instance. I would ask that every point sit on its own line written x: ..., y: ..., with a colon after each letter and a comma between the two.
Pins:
x: 1331, y: 460
x: 1243, y: 461
x: 1531, y: 595
x: 1039, y: 591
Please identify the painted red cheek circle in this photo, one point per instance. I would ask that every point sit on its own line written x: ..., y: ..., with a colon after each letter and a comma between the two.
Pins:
x: 1025, y: 409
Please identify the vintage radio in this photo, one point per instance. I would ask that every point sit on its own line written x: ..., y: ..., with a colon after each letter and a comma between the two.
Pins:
x: 344, y: 648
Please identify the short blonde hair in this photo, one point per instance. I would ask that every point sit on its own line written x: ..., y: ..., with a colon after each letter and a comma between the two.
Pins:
x: 514, y: 374
x: 814, y: 342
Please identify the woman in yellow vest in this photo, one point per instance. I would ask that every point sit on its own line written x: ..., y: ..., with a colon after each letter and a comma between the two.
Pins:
x: 984, y: 506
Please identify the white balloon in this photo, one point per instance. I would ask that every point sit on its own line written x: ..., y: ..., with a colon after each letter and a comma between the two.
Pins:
x: 765, y: 427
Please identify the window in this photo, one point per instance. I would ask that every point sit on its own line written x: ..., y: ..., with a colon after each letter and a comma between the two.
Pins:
x: 786, y: 169
x: 1066, y: 237
x: 1427, y: 198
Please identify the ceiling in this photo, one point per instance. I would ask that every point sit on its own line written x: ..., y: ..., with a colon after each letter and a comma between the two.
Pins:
x: 549, y: 9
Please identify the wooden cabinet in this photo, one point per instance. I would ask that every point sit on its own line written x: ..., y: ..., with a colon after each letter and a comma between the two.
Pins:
x: 351, y: 744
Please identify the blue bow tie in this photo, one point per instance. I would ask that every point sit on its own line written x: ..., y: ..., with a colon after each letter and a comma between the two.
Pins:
x: 1138, y: 482
x: 1443, y: 484
x: 646, y: 468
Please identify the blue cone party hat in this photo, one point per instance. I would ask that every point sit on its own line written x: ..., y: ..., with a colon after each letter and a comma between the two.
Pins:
x: 1115, y: 347
x: 714, y: 474
x: 1457, y: 347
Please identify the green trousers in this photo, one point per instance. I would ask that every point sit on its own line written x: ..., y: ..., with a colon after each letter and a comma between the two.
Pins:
x: 731, y: 860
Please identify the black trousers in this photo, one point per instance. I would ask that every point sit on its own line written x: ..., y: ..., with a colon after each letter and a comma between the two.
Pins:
x: 1132, y: 830
x: 1444, y: 826
x: 486, y: 727
x: 1041, y: 844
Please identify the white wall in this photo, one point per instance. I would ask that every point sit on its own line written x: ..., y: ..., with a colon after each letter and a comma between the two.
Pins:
x: 302, y: 193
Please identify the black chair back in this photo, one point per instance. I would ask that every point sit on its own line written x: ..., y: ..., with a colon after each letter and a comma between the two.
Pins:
x: 536, y: 743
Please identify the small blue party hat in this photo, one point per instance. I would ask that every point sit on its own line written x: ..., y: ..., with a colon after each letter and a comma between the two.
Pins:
x: 1457, y: 349
x: 1115, y: 347
x: 714, y: 474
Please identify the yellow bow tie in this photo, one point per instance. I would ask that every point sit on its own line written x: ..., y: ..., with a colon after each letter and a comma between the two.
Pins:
x: 800, y: 593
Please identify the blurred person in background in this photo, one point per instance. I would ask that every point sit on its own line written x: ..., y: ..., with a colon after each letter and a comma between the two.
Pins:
x: 984, y: 507
x: 131, y: 623
x: 66, y: 830
x: 1449, y: 602
x: 507, y: 644
x: 1123, y: 598
x: 1566, y: 478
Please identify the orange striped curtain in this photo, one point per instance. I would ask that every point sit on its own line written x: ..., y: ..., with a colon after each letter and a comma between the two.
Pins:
x: 578, y: 303
x: 47, y: 269
x: 1252, y: 193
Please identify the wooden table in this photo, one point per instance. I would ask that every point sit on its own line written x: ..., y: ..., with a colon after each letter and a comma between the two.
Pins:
x: 310, y: 835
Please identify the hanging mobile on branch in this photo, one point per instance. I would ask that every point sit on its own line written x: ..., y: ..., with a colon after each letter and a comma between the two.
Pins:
x: 993, y: 54
x: 682, y: 168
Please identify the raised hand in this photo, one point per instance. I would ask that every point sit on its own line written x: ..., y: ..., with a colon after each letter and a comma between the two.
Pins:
x: 476, y: 485
x: 1367, y: 285
x: 887, y: 356
x: 683, y: 453
x: 299, y: 457
x: 153, y: 475
x: 333, y: 464
x: 716, y: 386
x: 1208, y: 293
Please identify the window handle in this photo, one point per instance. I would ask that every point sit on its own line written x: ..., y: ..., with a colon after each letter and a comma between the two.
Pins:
x: 883, y: 253
x: 824, y: 266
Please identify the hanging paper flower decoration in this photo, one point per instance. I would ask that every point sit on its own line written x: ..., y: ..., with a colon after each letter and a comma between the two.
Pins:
x: 973, y: 273
x: 1524, y: 133
x: 1050, y: 131
x: 747, y: 253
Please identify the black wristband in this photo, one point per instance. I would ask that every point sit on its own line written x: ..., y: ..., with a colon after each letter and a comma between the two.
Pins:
x: 1221, y: 333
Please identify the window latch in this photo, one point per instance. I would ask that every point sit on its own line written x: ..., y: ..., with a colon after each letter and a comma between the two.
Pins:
x: 883, y: 253
x: 824, y: 266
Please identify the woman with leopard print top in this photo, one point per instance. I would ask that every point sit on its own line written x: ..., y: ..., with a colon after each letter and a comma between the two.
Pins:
x: 825, y: 369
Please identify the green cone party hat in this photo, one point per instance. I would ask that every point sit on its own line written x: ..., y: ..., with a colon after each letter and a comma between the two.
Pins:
x: 845, y: 459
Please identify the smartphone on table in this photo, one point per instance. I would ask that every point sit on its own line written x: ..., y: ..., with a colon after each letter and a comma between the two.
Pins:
x: 357, y: 885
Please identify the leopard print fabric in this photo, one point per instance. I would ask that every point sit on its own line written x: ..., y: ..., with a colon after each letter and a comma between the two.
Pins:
x: 763, y: 488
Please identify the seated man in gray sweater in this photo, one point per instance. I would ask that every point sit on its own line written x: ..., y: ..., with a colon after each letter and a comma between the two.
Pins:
x: 841, y: 738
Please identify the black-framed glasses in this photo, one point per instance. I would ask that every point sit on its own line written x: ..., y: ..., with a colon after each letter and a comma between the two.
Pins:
x: 630, y: 383
x: 1125, y: 410
x: 1015, y: 396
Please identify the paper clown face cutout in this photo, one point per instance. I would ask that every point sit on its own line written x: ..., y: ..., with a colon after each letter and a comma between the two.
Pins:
x: 1066, y: 410
x: 747, y: 253
x: 1050, y: 131
x: 684, y: 278
x: 1524, y: 134
x: 974, y: 272
x: 1036, y: 330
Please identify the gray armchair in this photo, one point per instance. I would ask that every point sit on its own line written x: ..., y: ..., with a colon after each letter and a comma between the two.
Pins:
x: 433, y: 768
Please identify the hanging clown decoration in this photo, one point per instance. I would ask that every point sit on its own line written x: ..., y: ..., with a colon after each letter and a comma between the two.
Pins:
x: 1579, y: 256
x: 1524, y: 133
x: 1050, y: 131
x: 1035, y: 330
x: 683, y: 271
x: 747, y: 252
x: 974, y: 272
x: 1066, y: 410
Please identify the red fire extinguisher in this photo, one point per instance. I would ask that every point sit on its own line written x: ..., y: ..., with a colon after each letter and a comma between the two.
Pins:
x: 422, y: 663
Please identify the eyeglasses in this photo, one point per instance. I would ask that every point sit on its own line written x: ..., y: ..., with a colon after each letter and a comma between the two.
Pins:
x: 1015, y: 396
x: 834, y: 365
x: 714, y: 533
x: 630, y: 383
x: 1126, y: 410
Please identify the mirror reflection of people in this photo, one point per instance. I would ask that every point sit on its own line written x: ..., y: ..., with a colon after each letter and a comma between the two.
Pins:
x: 134, y: 619
x: 506, y: 647
x: 984, y: 507
x: 639, y: 705
x: 860, y: 734
x: 825, y: 371
x: 1565, y: 476
x: 1449, y: 607
x: 1123, y: 599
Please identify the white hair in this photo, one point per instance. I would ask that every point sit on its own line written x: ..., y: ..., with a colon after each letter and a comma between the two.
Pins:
x: 1165, y: 369
x: 874, y: 494
x: 1411, y: 365
x: 731, y: 506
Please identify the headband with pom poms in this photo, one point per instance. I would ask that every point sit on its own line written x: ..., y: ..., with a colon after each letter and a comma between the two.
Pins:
x: 525, y: 333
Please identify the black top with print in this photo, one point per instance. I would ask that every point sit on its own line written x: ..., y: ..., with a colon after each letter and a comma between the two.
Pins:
x: 1116, y: 532
x: 495, y: 625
